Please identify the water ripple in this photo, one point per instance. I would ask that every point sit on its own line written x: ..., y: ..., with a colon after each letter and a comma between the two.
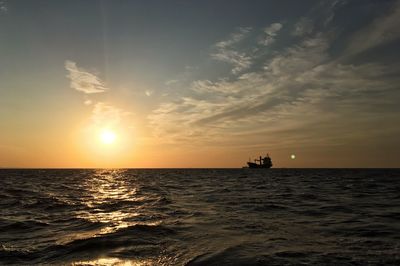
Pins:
x: 200, y: 217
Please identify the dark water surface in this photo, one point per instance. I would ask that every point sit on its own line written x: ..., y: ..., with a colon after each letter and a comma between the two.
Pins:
x: 200, y: 217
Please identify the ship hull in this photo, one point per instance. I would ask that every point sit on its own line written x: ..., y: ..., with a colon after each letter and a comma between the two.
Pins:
x: 254, y: 165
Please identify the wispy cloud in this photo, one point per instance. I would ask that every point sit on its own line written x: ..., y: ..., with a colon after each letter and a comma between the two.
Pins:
x: 107, y: 115
x: 148, y: 92
x: 234, y: 38
x: 303, y: 27
x: 329, y: 12
x: 240, y: 61
x: 82, y: 80
x: 271, y: 32
x: 88, y: 102
x: 381, y: 30
x: 3, y: 7
x: 300, y: 89
x: 227, y: 52
x: 103, y: 115
x: 171, y: 82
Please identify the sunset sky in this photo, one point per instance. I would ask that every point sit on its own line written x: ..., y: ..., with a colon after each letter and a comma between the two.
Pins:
x: 199, y: 83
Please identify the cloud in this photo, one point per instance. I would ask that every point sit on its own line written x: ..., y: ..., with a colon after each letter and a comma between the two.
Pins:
x: 171, y: 82
x: 303, y: 27
x: 82, y: 80
x: 148, y: 92
x: 227, y: 52
x: 292, y: 99
x: 3, y: 7
x: 381, y: 30
x: 271, y: 32
x: 240, y: 61
x: 103, y: 114
x: 88, y: 102
x: 107, y: 115
x: 329, y: 12
x: 234, y: 38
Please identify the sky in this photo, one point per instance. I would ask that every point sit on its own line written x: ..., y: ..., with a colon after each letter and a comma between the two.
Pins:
x: 199, y: 83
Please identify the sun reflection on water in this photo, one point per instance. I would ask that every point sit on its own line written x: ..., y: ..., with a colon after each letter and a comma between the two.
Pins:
x: 108, y: 185
x: 116, y: 261
x: 111, y: 199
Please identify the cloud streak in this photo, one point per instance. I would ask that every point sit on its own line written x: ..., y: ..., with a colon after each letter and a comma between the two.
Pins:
x: 82, y: 80
x: 382, y: 30
x: 3, y: 7
x: 226, y: 51
x: 103, y: 115
x: 293, y: 98
x: 303, y: 27
x: 107, y: 115
x: 271, y: 32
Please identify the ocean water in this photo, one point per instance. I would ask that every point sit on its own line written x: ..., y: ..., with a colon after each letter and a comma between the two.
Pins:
x: 200, y: 217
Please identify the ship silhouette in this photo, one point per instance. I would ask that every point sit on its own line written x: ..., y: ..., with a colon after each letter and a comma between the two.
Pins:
x: 265, y: 162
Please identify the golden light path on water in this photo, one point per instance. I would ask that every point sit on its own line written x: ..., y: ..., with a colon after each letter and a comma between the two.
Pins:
x: 115, y: 261
x: 106, y: 189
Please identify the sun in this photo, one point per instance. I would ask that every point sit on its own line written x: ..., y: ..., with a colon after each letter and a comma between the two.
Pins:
x: 108, y: 136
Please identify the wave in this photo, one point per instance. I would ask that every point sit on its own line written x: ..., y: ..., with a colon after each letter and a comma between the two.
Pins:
x: 21, y: 225
x: 11, y: 256
x: 137, y: 236
x: 200, y: 217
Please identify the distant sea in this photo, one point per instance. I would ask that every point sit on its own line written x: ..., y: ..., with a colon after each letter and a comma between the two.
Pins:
x: 200, y: 217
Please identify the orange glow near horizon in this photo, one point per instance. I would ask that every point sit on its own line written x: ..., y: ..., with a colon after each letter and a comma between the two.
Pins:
x: 104, y: 145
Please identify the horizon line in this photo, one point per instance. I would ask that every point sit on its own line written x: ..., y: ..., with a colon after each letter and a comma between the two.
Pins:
x: 166, y: 168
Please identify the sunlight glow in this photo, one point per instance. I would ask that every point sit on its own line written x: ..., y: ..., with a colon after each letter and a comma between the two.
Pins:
x: 107, y: 136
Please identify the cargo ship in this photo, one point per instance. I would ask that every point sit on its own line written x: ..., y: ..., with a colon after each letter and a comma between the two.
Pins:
x: 265, y: 162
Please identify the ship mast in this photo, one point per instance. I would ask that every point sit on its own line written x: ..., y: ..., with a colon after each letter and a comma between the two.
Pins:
x: 258, y: 160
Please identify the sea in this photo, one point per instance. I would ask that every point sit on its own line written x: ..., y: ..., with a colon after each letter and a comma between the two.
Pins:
x: 200, y: 216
